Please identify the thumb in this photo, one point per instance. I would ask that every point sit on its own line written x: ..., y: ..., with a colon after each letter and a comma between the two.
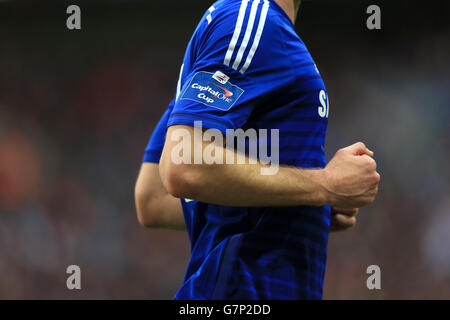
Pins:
x: 359, y: 149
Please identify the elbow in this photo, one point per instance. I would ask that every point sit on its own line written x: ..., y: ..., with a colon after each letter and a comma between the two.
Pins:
x: 180, y: 180
x: 145, y: 222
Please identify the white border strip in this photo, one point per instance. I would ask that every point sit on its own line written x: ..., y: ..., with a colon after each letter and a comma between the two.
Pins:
x: 237, y: 32
x: 248, y: 33
x: 262, y: 22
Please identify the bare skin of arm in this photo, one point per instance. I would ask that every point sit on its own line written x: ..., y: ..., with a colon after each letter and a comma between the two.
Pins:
x: 156, y: 208
x: 349, y: 180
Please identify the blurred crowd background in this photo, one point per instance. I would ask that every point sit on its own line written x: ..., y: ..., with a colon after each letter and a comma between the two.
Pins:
x: 77, y: 109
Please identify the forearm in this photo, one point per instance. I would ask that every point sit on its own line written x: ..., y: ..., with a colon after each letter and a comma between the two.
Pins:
x: 168, y: 212
x: 156, y: 208
x: 240, y: 184
x: 243, y: 185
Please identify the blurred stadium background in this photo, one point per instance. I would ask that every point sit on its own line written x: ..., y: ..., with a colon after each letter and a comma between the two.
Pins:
x: 77, y: 108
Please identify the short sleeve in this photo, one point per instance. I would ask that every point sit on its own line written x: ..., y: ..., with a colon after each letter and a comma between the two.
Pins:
x: 156, y: 143
x: 234, y: 71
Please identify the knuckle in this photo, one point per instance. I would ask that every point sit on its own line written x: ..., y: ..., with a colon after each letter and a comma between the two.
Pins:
x: 371, y: 164
x: 374, y: 164
x: 373, y: 194
x: 377, y: 177
x: 350, y: 222
x: 361, y: 145
x: 367, y: 161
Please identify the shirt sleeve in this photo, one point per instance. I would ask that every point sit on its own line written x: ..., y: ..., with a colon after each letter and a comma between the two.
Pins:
x: 232, y: 73
x: 156, y: 143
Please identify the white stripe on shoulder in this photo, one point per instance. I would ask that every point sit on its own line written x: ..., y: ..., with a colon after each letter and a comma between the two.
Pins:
x: 248, y: 33
x: 209, y: 16
x: 259, y: 31
x: 237, y: 32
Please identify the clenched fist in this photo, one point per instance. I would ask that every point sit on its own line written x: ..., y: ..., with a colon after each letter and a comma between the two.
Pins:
x: 351, y: 178
x: 342, y: 219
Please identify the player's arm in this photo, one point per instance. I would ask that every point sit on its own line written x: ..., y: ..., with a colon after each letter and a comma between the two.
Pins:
x: 156, y: 208
x: 350, y: 179
x: 342, y: 219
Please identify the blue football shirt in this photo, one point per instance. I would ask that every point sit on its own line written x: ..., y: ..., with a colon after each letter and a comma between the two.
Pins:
x: 245, y: 67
